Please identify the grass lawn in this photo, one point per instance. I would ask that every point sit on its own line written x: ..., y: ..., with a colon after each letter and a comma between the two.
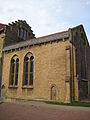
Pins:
x: 74, y: 103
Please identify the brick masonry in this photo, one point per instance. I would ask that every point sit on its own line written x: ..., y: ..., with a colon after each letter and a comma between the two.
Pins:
x: 57, y: 63
x: 49, y: 70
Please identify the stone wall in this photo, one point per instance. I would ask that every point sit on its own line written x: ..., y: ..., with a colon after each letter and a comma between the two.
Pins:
x: 61, y: 67
x: 49, y: 70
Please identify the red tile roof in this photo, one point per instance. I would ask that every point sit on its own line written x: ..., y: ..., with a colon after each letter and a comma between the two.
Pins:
x: 1, y: 25
x: 50, y: 35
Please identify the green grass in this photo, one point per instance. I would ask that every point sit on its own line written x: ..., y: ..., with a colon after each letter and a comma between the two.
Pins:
x: 74, y: 103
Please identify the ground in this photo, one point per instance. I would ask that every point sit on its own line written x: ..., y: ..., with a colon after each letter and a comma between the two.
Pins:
x: 41, y: 111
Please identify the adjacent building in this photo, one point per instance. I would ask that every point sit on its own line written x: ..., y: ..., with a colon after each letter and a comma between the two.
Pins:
x: 2, y: 26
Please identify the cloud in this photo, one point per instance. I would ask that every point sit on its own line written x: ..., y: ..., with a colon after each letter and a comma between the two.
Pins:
x: 87, y: 2
x: 45, y: 16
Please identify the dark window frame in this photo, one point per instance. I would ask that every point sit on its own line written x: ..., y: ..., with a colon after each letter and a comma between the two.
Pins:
x: 14, y: 71
x: 28, y: 62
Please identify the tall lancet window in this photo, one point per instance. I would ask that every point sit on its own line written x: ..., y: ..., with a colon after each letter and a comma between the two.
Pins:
x: 16, y: 72
x: 14, y: 69
x: 31, y: 69
x: 28, y: 70
x: 12, y: 72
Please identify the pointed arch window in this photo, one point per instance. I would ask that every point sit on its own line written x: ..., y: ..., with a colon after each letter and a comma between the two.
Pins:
x: 28, y: 70
x: 14, y: 71
x: 31, y: 69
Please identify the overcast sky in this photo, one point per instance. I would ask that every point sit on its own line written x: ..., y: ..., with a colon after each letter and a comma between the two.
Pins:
x: 47, y: 16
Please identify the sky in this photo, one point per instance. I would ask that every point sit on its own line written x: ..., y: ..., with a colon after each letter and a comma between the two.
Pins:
x: 47, y: 16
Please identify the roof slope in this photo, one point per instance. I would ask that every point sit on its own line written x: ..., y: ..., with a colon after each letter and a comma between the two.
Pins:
x: 40, y: 40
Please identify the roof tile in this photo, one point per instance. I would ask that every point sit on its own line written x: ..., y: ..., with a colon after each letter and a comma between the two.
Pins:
x: 1, y: 25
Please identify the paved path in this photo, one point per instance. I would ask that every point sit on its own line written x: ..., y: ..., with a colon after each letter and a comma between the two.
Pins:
x: 42, y: 111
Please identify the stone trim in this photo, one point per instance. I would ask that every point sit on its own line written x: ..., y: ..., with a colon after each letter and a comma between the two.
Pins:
x: 27, y: 87
x: 13, y: 86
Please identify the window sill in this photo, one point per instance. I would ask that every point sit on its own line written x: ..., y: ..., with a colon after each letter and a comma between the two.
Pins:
x: 12, y: 86
x: 27, y: 87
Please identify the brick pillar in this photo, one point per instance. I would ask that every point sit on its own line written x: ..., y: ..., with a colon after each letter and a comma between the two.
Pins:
x: 67, y: 83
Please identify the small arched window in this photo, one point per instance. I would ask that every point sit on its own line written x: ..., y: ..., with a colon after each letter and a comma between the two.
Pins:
x: 18, y: 32
x: 21, y: 33
x: 28, y: 69
x: 24, y: 34
x: 53, y: 93
x: 14, y: 71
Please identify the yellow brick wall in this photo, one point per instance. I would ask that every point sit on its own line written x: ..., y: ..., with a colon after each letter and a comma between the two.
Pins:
x: 49, y: 70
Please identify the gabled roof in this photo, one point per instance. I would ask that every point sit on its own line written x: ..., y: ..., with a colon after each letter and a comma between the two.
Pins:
x: 80, y: 28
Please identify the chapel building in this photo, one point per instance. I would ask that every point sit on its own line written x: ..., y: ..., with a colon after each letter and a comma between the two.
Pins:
x: 53, y: 67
